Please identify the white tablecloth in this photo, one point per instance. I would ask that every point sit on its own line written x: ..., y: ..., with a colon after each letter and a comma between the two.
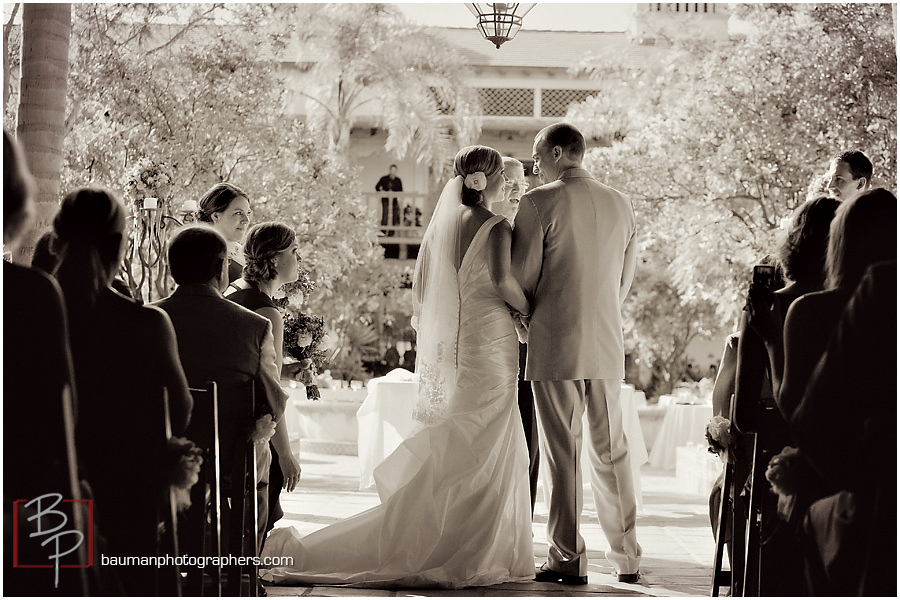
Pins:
x: 683, y: 423
x: 385, y: 419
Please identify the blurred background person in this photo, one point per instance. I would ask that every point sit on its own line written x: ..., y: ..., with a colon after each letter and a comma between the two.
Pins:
x: 849, y: 175
x: 37, y: 367
x: 508, y: 206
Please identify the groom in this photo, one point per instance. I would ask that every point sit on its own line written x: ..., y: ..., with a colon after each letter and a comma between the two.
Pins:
x: 573, y: 252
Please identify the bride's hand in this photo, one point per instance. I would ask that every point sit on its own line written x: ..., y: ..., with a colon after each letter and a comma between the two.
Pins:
x: 291, y: 470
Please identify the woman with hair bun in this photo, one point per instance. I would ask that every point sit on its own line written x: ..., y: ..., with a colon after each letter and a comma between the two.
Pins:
x: 455, y: 506
x: 227, y: 209
x: 271, y: 260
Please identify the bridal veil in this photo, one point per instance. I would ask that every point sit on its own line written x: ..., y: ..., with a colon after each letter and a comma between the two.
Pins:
x: 436, y: 306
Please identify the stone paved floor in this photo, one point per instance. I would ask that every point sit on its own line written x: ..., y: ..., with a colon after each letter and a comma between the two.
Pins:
x: 673, y: 530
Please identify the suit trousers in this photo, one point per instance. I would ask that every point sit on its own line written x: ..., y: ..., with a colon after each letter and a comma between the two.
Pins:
x: 529, y: 425
x: 561, y: 406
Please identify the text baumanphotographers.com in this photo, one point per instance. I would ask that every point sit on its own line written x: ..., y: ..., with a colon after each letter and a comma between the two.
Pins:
x: 196, y: 561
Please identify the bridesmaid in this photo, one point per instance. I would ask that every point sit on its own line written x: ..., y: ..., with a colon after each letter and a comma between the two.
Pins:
x: 227, y: 209
x: 272, y: 260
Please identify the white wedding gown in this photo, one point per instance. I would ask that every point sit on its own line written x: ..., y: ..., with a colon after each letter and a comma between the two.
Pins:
x: 455, y: 508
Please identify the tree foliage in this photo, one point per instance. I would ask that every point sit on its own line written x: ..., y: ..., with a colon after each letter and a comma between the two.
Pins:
x: 718, y: 142
x: 196, y: 90
x: 367, y: 59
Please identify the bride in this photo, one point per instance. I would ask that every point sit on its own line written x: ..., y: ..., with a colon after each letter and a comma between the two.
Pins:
x: 455, y: 508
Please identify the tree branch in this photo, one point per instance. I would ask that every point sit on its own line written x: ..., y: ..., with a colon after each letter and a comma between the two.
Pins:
x: 327, y: 108
x: 7, y: 29
x: 204, y: 16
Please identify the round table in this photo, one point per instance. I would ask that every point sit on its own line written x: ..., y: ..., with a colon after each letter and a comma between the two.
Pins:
x: 683, y: 423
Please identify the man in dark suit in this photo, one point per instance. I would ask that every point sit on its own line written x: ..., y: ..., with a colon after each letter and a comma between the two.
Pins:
x: 221, y: 341
x: 390, y: 183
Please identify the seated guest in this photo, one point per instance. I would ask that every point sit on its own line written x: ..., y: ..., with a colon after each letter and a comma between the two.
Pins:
x: 722, y: 394
x: 45, y: 259
x: 124, y: 355
x: 801, y: 258
x: 37, y: 368
x: 845, y: 427
x: 221, y: 341
x: 863, y: 232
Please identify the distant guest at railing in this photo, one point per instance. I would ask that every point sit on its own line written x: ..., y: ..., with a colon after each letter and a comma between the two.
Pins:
x: 412, y: 216
x: 390, y: 183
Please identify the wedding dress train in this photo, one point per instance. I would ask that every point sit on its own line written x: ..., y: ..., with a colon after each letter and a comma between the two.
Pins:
x: 455, y: 508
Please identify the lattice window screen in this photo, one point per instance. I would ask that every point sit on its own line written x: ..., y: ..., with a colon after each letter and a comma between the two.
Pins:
x: 555, y: 103
x: 507, y: 102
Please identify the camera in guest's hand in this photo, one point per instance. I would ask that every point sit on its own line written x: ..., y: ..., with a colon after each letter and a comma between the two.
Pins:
x: 764, y: 277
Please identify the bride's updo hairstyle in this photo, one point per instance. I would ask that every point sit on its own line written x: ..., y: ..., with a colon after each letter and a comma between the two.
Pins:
x: 217, y: 199
x: 264, y: 242
x: 474, y: 159
x: 89, y: 237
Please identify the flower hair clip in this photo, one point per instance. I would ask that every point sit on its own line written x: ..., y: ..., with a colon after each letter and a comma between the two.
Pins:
x: 476, y: 181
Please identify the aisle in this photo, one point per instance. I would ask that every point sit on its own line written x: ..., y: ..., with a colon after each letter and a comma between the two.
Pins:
x: 673, y: 531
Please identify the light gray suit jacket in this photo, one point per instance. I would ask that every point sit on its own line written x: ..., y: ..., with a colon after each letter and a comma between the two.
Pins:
x: 573, y: 252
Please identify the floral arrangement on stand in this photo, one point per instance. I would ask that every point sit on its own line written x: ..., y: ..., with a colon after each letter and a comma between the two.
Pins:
x: 303, y: 333
x: 148, y: 186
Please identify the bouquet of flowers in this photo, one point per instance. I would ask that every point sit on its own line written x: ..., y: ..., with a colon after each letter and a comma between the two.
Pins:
x: 303, y: 334
x: 185, y: 459
x: 718, y: 435
x: 148, y: 179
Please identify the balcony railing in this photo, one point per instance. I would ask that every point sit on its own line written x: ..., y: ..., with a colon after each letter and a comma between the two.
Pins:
x: 402, y: 218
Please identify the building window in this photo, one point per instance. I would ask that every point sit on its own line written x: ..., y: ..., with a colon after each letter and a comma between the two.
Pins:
x: 555, y: 103
x: 507, y: 102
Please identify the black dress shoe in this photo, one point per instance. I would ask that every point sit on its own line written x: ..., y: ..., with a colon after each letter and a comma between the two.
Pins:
x: 548, y: 575
x: 628, y: 577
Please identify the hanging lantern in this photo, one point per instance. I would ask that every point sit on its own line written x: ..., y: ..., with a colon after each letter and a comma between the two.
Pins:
x: 498, y: 22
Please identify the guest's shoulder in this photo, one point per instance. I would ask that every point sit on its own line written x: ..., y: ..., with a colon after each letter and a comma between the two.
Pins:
x: 147, y: 315
x: 240, y: 312
x: 30, y: 289
x: 35, y: 279
x: 816, y: 306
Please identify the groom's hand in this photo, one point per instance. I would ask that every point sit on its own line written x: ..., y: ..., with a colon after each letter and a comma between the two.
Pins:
x: 521, y: 328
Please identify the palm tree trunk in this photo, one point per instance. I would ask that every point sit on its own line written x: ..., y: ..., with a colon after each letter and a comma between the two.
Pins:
x: 42, y: 107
